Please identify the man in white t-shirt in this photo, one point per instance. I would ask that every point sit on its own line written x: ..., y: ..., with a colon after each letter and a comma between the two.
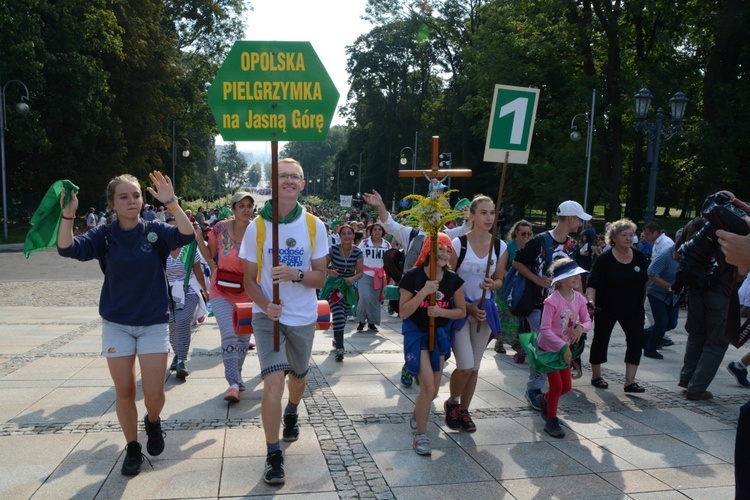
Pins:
x: 659, y: 240
x: 300, y: 272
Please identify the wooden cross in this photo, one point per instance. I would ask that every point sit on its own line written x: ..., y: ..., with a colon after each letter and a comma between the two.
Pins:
x: 434, y: 175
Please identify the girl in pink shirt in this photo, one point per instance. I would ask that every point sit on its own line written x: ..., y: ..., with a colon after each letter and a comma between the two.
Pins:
x: 564, y: 319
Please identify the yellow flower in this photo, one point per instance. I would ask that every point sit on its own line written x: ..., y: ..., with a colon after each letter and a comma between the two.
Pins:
x: 431, y: 214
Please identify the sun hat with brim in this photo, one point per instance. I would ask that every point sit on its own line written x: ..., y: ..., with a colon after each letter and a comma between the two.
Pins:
x: 566, y: 271
x: 462, y: 203
x: 236, y: 197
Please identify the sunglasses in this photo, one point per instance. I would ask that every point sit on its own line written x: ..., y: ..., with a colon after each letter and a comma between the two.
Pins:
x: 525, y: 233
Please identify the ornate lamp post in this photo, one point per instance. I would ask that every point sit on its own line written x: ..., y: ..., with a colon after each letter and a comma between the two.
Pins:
x: 575, y: 136
x: 404, y: 161
x: 22, y: 109
x: 655, y: 130
x: 185, y: 152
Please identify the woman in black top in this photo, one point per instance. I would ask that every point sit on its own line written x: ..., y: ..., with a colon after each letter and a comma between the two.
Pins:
x: 617, y: 291
x: 416, y: 311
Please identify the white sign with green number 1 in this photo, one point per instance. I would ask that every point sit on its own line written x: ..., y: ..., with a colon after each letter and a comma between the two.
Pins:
x: 511, y: 124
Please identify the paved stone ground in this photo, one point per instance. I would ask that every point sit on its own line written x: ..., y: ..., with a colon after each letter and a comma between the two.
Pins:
x: 59, y: 436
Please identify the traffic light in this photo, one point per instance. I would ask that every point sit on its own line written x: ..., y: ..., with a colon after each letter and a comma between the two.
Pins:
x: 446, y: 160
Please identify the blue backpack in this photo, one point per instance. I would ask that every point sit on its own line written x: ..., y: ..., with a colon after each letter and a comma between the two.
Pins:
x: 520, y: 295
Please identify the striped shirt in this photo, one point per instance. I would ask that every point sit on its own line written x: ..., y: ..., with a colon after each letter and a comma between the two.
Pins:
x: 345, y: 266
x: 176, y: 268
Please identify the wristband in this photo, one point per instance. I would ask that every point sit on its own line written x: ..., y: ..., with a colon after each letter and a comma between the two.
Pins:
x: 173, y: 198
x: 174, y: 207
x: 68, y: 218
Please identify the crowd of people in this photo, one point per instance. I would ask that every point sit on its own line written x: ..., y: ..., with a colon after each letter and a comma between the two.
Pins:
x: 450, y: 299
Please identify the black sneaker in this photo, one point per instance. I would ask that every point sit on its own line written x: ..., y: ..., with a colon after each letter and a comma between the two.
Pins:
x: 182, y: 370
x: 173, y: 366
x: 360, y: 327
x: 542, y: 406
x: 131, y: 466
x: 155, y: 443
x: 372, y: 328
x: 552, y: 427
x: 452, y: 415
x: 291, y: 427
x: 666, y: 342
x: 340, y: 354
x: 274, y: 473
x: 467, y: 424
x: 652, y: 354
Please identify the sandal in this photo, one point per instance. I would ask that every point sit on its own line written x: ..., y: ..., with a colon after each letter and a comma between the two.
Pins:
x: 634, y: 387
x: 600, y: 383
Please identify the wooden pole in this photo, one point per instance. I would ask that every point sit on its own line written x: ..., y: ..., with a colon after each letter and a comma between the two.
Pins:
x: 433, y: 249
x: 494, y: 233
x: 275, y: 230
x: 434, y: 173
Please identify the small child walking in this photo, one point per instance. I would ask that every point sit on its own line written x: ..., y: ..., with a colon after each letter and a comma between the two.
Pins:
x: 565, y: 319
x: 416, y: 311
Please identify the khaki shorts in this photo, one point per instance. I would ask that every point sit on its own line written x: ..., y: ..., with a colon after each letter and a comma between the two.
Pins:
x: 295, y: 347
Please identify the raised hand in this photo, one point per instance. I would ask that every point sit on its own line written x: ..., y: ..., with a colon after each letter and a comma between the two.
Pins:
x: 70, y: 209
x: 163, y: 189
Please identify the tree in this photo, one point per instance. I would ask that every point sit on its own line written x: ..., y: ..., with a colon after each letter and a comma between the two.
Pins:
x: 232, y: 167
x: 107, y: 79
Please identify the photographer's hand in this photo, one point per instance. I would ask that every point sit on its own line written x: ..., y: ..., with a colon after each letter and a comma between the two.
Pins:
x: 736, y: 248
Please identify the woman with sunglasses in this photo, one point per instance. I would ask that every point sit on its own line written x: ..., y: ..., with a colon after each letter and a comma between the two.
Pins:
x: 518, y: 236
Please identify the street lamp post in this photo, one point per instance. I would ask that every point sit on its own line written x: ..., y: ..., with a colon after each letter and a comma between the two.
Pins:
x: 338, y: 182
x: 359, y: 180
x: 654, y: 132
x: 22, y: 108
x: 575, y: 136
x: 185, y: 153
x: 404, y: 161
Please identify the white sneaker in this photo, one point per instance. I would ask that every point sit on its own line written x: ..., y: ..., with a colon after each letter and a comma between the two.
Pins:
x: 422, y: 444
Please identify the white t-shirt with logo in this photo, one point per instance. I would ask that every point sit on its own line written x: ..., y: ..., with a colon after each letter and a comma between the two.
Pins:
x: 373, y: 256
x: 300, y: 301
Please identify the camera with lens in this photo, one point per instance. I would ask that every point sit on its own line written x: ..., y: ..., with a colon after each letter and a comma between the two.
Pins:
x: 697, y: 263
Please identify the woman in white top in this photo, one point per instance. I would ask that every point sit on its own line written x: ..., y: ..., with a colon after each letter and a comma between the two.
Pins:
x: 373, y: 281
x: 470, y: 262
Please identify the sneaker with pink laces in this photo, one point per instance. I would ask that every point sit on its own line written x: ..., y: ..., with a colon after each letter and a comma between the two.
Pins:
x: 467, y: 424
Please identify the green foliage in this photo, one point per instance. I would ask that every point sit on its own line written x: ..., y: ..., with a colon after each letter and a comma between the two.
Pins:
x: 107, y: 79
x: 232, y: 167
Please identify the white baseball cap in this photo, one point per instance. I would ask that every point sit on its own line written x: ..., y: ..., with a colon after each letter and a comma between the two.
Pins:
x: 570, y: 207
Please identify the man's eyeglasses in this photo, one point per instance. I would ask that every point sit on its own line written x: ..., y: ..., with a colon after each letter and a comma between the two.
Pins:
x: 290, y: 177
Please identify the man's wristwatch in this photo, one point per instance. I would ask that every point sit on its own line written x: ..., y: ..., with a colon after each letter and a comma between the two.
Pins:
x: 300, y: 276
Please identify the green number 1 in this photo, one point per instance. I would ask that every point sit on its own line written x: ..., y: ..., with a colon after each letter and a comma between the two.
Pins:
x: 518, y: 107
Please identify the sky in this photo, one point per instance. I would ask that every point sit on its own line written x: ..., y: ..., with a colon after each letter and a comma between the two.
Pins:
x: 329, y: 25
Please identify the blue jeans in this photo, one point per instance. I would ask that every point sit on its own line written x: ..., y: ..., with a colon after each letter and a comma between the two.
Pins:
x: 665, y: 319
x: 536, y: 380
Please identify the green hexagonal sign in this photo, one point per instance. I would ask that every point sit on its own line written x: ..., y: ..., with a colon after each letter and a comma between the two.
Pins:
x: 272, y: 91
